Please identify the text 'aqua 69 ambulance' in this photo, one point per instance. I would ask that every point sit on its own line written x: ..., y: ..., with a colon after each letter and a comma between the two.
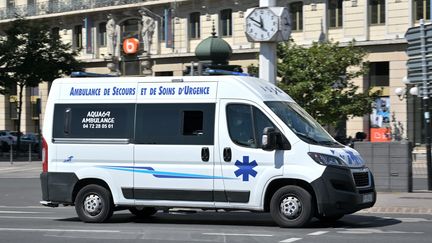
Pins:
x: 204, y: 142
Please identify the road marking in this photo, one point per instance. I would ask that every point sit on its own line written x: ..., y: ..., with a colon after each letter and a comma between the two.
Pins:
x: 290, y: 240
x: 18, y: 217
x: 59, y: 230
x: 318, y: 233
x: 413, y: 220
x: 20, y: 212
x: 375, y: 231
x: 38, y: 207
x: 232, y: 234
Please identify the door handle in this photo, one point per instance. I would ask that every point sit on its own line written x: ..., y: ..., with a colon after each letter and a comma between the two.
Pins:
x: 205, y: 154
x: 227, y: 154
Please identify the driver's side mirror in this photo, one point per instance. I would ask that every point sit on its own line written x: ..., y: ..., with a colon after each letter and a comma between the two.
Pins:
x: 269, y: 139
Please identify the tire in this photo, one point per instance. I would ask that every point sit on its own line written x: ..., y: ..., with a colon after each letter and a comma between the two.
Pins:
x: 291, y: 206
x: 330, y: 219
x: 94, y: 204
x: 143, y: 212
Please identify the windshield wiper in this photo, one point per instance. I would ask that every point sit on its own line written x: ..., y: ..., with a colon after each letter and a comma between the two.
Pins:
x: 302, y: 135
x: 328, y: 143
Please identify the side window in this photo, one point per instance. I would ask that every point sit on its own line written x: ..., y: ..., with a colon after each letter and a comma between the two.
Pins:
x: 246, y: 124
x: 261, y: 122
x: 240, y: 125
x: 94, y: 121
x: 193, y: 123
x: 175, y: 124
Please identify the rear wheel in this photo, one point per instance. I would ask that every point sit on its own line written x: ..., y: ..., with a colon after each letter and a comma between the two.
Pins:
x: 94, y: 204
x: 291, y: 206
x: 143, y: 212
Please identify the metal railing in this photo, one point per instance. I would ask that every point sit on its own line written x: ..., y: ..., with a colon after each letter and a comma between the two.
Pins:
x: 60, y: 6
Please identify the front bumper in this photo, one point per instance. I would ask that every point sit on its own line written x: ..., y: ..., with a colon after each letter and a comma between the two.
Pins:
x: 344, y: 191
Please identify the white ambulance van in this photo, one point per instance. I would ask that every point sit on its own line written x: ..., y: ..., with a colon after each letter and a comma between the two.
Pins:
x: 204, y: 142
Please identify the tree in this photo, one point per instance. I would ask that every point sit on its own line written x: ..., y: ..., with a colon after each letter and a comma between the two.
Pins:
x: 320, y: 79
x: 30, y: 54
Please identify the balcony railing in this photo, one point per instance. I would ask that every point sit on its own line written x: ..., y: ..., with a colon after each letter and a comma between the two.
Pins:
x: 60, y: 6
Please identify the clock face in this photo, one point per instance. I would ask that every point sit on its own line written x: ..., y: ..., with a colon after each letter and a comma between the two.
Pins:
x: 285, y: 24
x: 262, y: 24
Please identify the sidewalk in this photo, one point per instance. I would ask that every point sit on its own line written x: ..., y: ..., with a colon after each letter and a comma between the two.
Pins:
x: 402, y: 203
x: 387, y: 202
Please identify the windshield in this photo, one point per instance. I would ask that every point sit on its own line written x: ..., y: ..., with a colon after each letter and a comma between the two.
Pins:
x: 301, y: 123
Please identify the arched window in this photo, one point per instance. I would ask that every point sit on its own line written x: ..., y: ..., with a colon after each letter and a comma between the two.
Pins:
x: 296, y: 11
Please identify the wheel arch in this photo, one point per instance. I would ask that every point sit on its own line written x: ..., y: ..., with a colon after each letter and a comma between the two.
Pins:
x: 274, y: 185
x: 88, y: 181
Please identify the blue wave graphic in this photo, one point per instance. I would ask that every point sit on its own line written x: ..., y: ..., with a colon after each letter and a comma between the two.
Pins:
x: 163, y: 174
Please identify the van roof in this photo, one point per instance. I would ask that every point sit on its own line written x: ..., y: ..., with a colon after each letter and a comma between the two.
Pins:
x: 170, y: 87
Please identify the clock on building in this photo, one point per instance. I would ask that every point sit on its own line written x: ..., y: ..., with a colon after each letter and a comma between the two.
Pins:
x: 267, y: 24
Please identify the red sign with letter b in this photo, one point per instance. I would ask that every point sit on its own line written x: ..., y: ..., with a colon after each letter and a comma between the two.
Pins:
x: 130, y: 45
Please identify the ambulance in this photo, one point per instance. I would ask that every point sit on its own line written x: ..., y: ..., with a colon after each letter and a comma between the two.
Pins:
x: 145, y: 144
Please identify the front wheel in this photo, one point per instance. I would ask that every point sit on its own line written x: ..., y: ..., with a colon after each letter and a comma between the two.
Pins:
x: 93, y: 204
x: 291, y: 206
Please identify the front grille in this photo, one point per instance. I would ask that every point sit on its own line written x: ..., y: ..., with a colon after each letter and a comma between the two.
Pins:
x: 361, y: 179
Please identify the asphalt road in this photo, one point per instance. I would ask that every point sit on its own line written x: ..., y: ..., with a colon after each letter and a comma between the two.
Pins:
x: 23, y: 220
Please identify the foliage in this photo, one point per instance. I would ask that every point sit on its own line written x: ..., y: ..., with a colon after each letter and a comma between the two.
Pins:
x: 30, y: 54
x: 319, y: 78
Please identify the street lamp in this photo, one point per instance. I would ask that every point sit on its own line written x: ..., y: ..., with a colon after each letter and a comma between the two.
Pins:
x: 402, y: 92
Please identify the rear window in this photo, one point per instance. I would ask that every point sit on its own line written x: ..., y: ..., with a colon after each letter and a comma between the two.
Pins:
x: 94, y: 121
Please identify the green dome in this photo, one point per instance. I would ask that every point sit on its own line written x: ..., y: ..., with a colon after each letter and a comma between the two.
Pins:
x: 215, y: 49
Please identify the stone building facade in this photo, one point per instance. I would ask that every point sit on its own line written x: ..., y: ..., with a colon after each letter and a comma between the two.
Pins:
x: 378, y: 26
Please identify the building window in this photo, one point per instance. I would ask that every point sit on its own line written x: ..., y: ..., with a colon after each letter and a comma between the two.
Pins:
x: 377, y: 11
x: 10, y: 3
x: 194, y: 25
x: 296, y: 11
x: 34, y: 102
x: 162, y: 35
x: 77, y: 36
x: 226, y: 22
x: 379, y: 74
x: 335, y: 13
x: 102, y: 34
x: 55, y: 32
x: 31, y: 7
x: 13, y: 110
x: 422, y: 9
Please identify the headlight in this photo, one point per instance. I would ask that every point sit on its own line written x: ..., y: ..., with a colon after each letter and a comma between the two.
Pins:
x: 325, y: 159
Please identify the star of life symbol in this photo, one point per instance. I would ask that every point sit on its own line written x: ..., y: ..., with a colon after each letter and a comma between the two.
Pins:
x: 245, y: 168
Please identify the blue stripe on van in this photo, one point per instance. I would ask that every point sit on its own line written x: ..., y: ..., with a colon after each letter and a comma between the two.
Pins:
x: 163, y: 174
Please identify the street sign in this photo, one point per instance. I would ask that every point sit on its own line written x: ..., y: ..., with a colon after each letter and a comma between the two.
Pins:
x: 419, y: 44
x: 419, y: 65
